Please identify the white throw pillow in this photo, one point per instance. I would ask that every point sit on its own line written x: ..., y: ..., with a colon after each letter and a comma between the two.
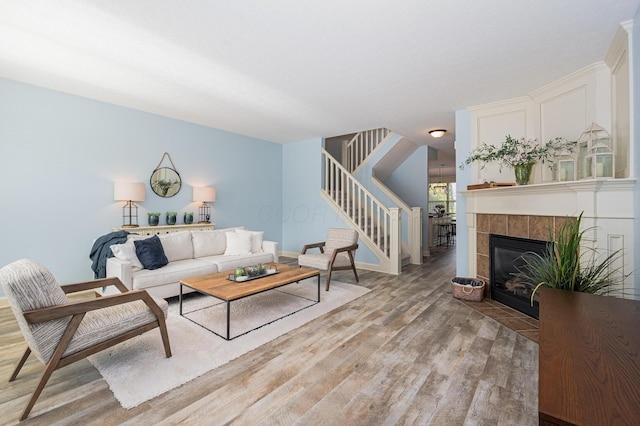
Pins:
x: 208, y: 243
x: 177, y: 245
x: 256, y: 239
x: 127, y: 253
x: 238, y: 244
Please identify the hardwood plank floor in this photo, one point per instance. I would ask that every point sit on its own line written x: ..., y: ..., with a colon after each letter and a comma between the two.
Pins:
x: 406, y: 353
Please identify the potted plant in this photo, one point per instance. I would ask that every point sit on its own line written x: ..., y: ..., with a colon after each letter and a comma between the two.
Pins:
x: 171, y: 218
x: 571, y: 266
x: 153, y: 218
x: 188, y: 218
x: 520, y: 154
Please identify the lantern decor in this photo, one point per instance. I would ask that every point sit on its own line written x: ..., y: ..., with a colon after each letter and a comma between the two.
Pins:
x: 596, y: 154
x: 566, y: 167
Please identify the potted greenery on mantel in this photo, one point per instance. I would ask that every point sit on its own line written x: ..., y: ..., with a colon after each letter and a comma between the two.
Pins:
x: 520, y: 154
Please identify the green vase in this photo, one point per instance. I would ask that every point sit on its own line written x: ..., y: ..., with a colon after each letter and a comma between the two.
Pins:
x: 523, y: 173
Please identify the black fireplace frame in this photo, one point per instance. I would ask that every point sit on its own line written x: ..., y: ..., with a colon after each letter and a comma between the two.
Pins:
x: 514, y: 243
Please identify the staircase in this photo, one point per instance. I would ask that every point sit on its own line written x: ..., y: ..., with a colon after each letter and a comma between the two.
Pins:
x: 379, y: 227
x: 361, y: 147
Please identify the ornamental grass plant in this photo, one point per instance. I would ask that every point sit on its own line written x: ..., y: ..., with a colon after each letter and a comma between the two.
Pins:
x: 572, y: 266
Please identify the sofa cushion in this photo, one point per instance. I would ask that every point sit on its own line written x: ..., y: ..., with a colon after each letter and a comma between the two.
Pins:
x: 177, y: 245
x: 127, y: 252
x: 151, y: 253
x: 172, y: 273
x: 225, y: 263
x: 238, y: 244
x: 256, y: 239
x: 208, y: 243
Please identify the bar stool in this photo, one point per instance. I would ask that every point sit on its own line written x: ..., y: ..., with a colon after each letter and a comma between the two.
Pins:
x: 444, y: 233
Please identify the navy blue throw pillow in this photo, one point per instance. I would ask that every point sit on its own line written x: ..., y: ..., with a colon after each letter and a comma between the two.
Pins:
x: 151, y: 253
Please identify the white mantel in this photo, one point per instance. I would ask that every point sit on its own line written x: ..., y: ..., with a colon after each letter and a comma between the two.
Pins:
x: 597, y: 198
x: 606, y: 204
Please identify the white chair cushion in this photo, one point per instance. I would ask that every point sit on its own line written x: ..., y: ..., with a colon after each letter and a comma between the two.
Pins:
x: 103, y: 324
x: 321, y: 260
x: 338, y: 237
x: 28, y: 286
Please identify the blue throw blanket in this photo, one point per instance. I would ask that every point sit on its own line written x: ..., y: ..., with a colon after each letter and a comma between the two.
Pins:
x: 101, y: 250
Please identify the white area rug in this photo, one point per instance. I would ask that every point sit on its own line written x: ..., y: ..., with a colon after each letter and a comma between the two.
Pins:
x: 137, y: 370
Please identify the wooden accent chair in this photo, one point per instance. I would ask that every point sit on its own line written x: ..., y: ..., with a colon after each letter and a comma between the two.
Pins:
x: 336, y: 253
x: 60, y: 332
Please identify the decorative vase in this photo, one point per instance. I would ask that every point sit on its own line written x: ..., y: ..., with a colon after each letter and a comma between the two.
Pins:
x: 188, y: 219
x: 171, y: 219
x: 523, y: 173
x: 154, y: 220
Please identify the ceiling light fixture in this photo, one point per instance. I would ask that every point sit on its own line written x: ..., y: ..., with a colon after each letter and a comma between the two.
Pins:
x: 437, y: 133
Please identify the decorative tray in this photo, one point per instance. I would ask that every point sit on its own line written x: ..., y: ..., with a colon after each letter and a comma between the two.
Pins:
x: 244, y: 278
x: 490, y: 185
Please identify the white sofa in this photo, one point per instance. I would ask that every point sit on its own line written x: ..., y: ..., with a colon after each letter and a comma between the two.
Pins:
x: 190, y: 253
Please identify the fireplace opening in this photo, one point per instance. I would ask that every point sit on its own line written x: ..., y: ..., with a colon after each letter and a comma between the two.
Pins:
x: 504, y: 260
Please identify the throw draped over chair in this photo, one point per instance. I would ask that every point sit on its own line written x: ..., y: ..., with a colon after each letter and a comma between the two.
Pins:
x: 336, y: 253
x: 60, y: 332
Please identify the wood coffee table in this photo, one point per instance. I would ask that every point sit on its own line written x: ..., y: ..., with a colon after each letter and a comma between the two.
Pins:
x: 219, y: 286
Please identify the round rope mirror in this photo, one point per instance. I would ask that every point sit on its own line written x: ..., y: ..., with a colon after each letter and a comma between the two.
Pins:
x: 165, y: 181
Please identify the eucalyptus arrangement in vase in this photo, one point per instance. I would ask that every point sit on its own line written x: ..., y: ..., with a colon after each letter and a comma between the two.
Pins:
x: 520, y: 154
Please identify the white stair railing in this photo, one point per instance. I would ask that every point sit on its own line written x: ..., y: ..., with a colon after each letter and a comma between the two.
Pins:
x: 360, y: 147
x: 378, y: 225
x: 414, y: 222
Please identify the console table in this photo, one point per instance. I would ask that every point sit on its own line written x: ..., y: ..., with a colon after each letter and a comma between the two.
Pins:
x: 589, y: 359
x: 167, y: 229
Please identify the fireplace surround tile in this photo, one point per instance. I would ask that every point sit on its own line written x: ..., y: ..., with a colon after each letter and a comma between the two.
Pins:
x: 518, y: 226
x: 482, y: 241
x: 483, y: 267
x: 539, y: 227
x: 498, y: 224
x: 482, y: 223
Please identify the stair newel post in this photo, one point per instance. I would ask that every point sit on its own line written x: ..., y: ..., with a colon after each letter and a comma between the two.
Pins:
x: 396, y: 232
x: 415, y: 235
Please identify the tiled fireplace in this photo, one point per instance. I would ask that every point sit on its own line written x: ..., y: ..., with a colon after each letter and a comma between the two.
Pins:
x: 528, y: 211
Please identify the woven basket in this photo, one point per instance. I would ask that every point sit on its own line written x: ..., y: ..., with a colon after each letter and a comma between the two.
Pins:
x: 471, y: 289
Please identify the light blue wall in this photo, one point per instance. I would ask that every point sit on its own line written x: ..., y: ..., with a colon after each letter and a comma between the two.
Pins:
x: 635, y: 98
x: 305, y: 215
x: 409, y: 181
x: 463, y: 178
x: 61, y: 154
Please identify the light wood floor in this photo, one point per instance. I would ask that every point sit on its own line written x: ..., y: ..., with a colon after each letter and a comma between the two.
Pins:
x: 406, y: 353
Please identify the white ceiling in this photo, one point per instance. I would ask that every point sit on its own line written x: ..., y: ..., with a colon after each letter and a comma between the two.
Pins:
x: 289, y: 70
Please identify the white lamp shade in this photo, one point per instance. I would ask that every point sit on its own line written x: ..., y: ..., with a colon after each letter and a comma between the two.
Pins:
x: 127, y: 191
x: 204, y: 194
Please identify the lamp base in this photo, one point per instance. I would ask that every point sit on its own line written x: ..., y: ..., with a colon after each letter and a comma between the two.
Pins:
x: 130, y: 226
x: 204, y: 221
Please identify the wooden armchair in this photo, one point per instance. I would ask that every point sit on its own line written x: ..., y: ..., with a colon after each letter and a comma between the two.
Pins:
x: 336, y: 253
x: 60, y: 332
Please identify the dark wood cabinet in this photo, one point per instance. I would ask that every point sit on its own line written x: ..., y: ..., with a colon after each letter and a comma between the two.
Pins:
x: 589, y: 359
